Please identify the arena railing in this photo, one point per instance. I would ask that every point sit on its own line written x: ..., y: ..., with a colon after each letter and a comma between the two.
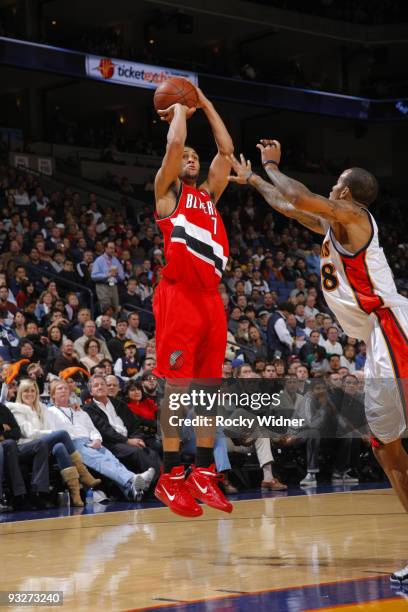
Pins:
x: 68, y: 283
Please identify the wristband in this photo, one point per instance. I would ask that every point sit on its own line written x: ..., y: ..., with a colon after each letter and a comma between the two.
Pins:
x: 270, y: 161
x: 251, y: 174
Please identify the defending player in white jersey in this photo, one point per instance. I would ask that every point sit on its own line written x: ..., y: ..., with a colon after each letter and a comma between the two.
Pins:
x: 359, y: 288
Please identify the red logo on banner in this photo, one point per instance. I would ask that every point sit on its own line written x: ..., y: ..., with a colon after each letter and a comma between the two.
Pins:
x: 106, y: 68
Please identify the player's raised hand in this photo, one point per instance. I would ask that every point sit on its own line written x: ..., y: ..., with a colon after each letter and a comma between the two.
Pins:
x: 168, y: 113
x: 242, y: 169
x: 270, y: 151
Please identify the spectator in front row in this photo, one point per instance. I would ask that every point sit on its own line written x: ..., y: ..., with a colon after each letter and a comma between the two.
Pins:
x: 137, y: 402
x: 118, y: 427
x: 321, y: 421
x: 88, y: 442
x: 31, y: 416
x: 10, y: 456
x: 145, y: 410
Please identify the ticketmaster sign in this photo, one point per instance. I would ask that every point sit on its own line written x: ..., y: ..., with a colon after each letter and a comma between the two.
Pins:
x: 123, y: 72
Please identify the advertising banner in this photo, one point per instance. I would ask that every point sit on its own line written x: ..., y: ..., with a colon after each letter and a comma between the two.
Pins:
x: 134, y: 74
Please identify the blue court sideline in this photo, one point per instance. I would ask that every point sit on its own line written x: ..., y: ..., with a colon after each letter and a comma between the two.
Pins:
x: 8, y: 517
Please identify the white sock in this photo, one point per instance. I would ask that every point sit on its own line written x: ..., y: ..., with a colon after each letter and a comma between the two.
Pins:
x: 267, y: 472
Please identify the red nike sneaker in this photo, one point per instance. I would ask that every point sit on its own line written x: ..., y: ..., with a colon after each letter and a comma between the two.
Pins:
x: 202, y: 483
x: 172, y: 491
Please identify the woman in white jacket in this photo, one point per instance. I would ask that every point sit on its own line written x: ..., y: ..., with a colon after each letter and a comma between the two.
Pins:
x: 31, y: 416
x: 88, y: 441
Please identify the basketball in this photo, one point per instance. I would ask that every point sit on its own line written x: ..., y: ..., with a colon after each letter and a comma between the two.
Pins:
x: 173, y: 90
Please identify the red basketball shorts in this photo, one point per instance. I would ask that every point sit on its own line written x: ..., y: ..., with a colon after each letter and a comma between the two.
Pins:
x: 191, y: 332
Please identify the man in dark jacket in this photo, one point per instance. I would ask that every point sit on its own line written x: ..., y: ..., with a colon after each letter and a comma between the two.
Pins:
x: 11, y: 454
x: 116, y: 345
x: 119, y: 429
x: 9, y: 434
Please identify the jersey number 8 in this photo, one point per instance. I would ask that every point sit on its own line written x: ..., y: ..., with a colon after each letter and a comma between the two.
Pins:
x: 330, y: 281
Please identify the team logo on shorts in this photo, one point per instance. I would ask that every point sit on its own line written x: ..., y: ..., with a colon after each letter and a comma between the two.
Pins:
x: 176, y: 360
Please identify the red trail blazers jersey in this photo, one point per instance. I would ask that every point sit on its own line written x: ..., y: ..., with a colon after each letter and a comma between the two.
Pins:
x: 195, y: 241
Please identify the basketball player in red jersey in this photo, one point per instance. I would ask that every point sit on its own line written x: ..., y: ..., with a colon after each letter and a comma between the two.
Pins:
x: 359, y: 288
x: 191, y: 327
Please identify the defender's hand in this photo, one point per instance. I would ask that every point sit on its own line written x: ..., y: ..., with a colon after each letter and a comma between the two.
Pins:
x: 270, y: 151
x: 203, y: 101
x: 168, y: 113
x: 242, y: 169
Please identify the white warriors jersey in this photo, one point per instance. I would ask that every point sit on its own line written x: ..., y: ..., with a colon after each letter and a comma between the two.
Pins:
x: 357, y: 285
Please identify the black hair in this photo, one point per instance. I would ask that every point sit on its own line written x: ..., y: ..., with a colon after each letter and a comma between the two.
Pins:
x: 187, y: 146
x: 319, y: 351
x: 93, y: 369
x: 287, y: 307
x: 147, y: 375
x: 317, y: 381
x: 362, y: 184
x: 134, y: 384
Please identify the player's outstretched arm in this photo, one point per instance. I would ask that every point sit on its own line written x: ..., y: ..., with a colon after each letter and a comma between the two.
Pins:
x: 220, y: 168
x: 245, y: 176
x: 343, y: 211
x: 176, y: 115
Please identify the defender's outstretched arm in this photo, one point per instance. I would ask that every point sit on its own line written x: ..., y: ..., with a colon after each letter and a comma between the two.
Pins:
x: 245, y: 176
x: 343, y: 211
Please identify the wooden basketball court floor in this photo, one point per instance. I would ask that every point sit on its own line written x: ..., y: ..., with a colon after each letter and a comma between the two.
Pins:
x: 278, y: 553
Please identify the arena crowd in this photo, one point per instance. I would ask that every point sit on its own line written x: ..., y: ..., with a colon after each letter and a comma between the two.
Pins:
x: 77, y: 348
